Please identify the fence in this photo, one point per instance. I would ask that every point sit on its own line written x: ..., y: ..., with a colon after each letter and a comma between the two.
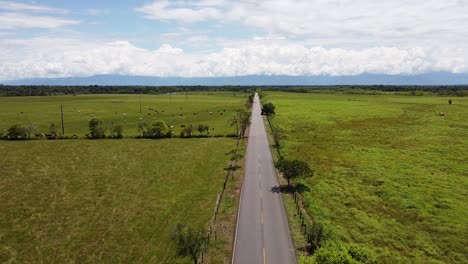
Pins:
x: 305, y: 219
x: 230, y: 171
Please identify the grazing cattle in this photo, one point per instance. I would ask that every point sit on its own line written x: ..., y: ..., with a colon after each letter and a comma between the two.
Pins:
x: 441, y: 113
x: 211, y: 113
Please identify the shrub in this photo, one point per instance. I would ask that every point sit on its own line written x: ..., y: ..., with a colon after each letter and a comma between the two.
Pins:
x: 16, y: 132
x: 316, y: 235
x: 190, y: 242
x: 187, y: 131
x: 53, y: 129
x: 30, y: 129
x: 157, y: 130
x: 117, y: 131
x: 96, y: 129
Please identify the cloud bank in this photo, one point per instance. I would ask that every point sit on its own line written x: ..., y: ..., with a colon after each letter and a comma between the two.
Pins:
x: 52, y: 57
x: 274, y: 37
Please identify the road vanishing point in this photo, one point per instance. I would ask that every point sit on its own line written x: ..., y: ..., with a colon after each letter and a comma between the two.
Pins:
x: 262, y: 233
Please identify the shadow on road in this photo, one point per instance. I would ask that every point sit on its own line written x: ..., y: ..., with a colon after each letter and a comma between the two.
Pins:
x: 298, y: 188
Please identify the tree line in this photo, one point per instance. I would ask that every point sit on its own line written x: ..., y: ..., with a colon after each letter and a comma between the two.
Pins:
x: 98, y: 130
x: 45, y: 90
x: 415, y: 90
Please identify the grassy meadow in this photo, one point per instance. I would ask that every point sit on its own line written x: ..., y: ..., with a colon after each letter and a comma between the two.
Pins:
x: 105, y: 201
x: 391, y: 175
x: 176, y: 109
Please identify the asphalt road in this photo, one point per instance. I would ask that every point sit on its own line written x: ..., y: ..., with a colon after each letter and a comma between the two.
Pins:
x: 262, y: 234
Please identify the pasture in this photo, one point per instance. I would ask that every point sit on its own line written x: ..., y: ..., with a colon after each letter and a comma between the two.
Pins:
x: 105, y: 201
x: 390, y: 172
x: 176, y: 109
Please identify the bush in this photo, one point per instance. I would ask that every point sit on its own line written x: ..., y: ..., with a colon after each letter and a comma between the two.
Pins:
x: 96, y: 129
x: 190, y: 242
x: 117, y: 131
x: 17, y: 132
x: 157, y: 130
x: 187, y: 131
x: 316, y: 235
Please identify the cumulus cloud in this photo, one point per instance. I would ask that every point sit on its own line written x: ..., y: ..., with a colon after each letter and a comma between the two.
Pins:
x: 49, y: 57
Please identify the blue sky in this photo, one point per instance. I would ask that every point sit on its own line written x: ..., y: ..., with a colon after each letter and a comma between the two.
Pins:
x: 57, y: 38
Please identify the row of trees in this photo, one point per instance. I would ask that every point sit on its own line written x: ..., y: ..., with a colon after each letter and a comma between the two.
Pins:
x: 28, y: 131
x: 38, y: 90
x: 97, y: 130
x: 46, y: 90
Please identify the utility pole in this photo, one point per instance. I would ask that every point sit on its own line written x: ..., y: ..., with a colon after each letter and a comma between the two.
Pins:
x: 61, y: 112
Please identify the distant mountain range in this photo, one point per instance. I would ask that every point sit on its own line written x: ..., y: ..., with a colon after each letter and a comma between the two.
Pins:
x: 436, y: 78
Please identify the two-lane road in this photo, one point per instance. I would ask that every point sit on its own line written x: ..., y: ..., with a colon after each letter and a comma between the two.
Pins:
x: 262, y: 234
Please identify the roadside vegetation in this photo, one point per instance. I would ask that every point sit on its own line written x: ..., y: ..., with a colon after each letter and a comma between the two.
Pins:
x: 390, y: 176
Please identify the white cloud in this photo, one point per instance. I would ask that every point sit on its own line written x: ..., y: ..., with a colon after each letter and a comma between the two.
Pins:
x: 165, y: 10
x: 391, y: 22
x: 14, y: 6
x: 21, y: 20
x: 50, y: 57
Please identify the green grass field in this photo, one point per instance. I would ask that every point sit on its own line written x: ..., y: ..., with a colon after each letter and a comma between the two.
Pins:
x: 105, y: 201
x: 390, y: 173
x: 176, y: 110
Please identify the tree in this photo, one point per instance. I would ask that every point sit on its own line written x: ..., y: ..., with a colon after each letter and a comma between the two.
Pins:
x: 30, y: 129
x: 117, y: 131
x: 53, y: 129
x: 96, y: 129
x: 158, y: 129
x: 241, y: 120
x: 316, y: 236
x: 187, y: 131
x: 278, y: 135
x: 201, y: 129
x: 190, y: 241
x: 16, y: 132
x: 293, y: 169
x: 142, y: 128
x: 268, y: 109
